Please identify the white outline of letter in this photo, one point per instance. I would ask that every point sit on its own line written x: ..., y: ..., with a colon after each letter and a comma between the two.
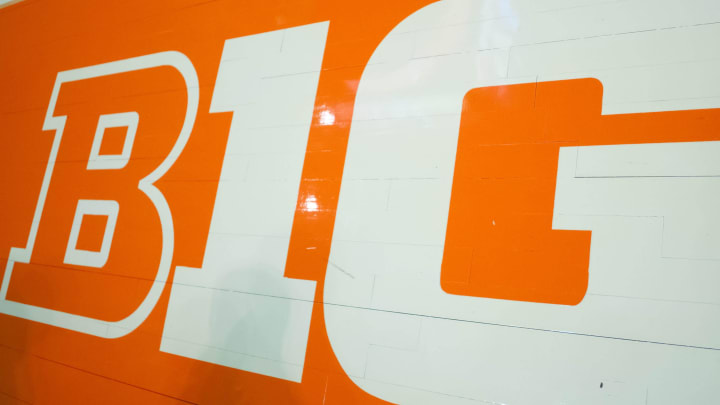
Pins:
x: 84, y: 324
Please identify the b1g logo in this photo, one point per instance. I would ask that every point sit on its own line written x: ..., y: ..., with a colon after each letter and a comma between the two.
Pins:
x: 447, y: 208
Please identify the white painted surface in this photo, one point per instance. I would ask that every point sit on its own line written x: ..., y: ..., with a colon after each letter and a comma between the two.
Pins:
x: 649, y: 327
x: 239, y: 310
x: 8, y: 2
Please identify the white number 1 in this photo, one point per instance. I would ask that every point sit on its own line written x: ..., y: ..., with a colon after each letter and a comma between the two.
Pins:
x: 238, y: 310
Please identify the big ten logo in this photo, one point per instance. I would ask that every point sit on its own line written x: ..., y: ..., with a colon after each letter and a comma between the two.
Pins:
x: 445, y: 237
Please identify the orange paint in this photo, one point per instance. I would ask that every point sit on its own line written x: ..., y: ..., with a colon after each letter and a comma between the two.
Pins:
x: 92, y: 231
x: 113, y: 141
x: 506, y: 168
x: 499, y: 241
x: 45, y: 364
